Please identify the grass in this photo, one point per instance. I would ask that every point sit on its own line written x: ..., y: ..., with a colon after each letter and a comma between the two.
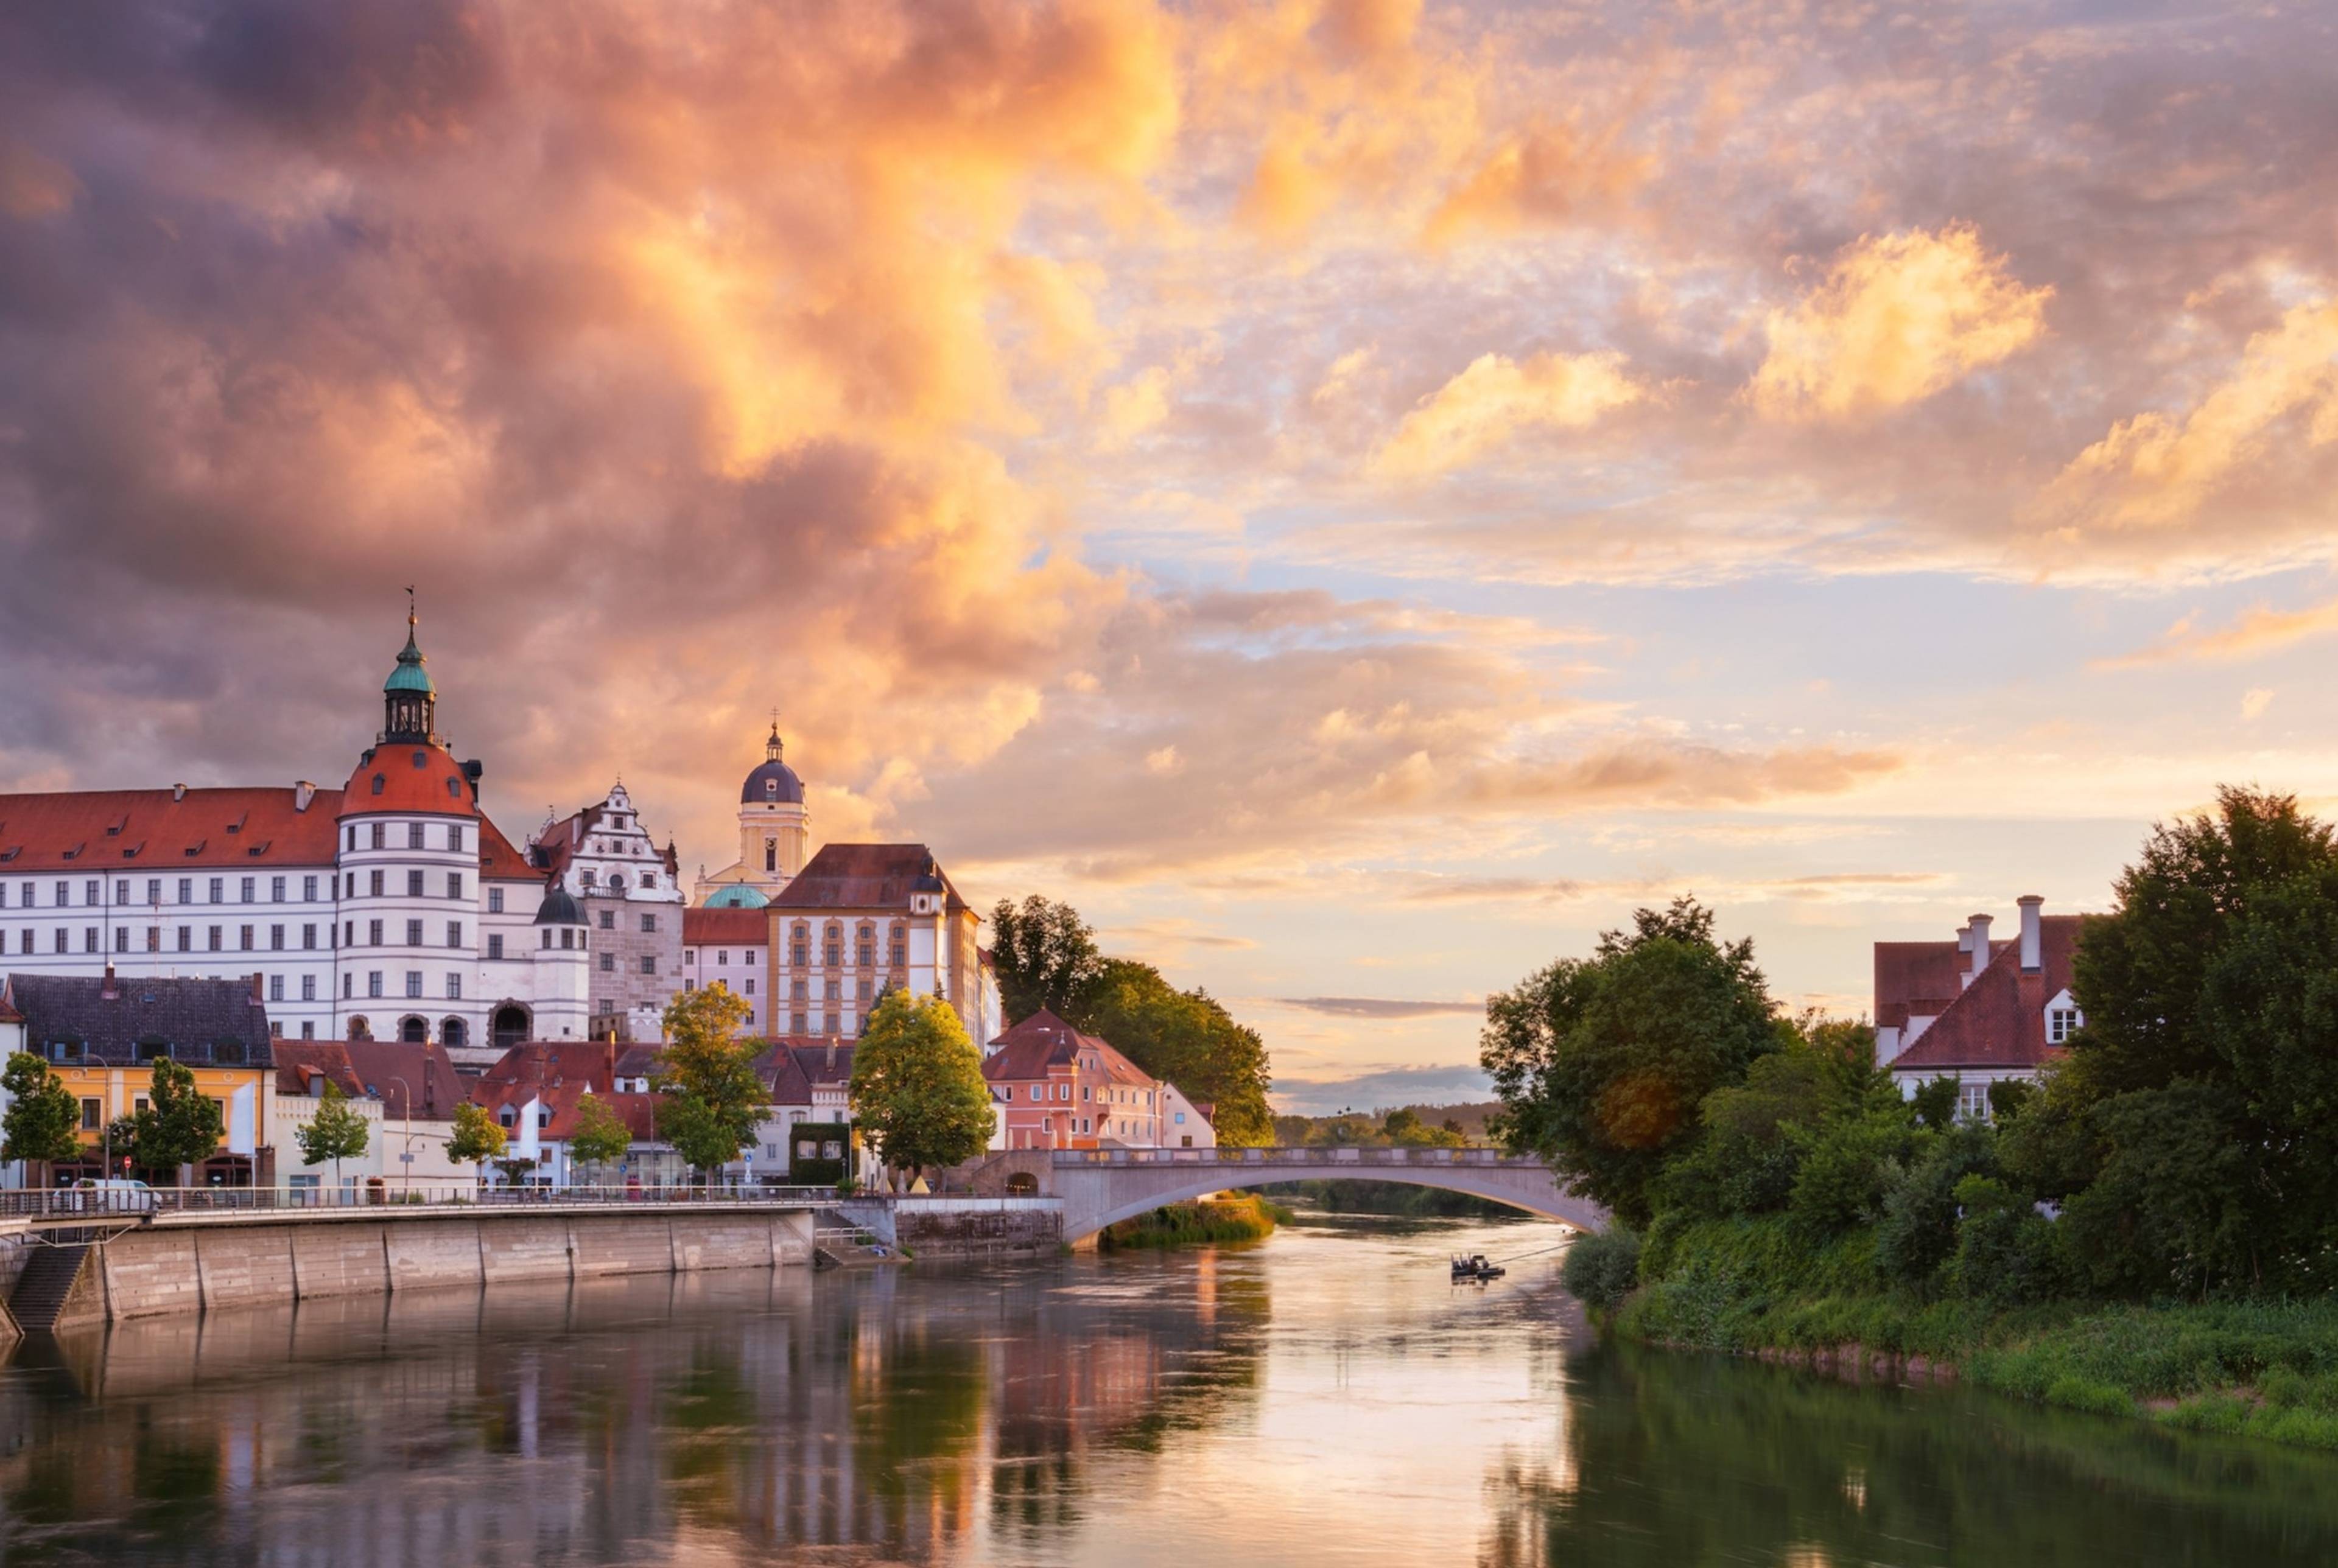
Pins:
x: 1245, y: 1219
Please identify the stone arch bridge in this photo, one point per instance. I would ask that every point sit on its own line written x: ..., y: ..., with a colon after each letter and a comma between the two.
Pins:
x: 1102, y: 1187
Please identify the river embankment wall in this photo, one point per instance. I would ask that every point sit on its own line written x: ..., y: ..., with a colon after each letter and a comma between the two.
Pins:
x: 978, y: 1227
x: 165, y: 1269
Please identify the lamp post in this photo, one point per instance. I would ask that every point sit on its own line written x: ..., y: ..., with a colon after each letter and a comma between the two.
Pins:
x: 406, y: 1159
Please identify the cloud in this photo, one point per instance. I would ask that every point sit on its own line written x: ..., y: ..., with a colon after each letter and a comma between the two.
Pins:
x: 1541, y: 175
x: 1900, y: 317
x: 1496, y: 399
x: 2153, y: 472
x: 2261, y: 630
x: 2254, y: 702
x: 1378, y: 1007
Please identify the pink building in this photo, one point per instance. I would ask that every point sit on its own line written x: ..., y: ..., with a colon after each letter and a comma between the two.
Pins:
x: 1056, y: 1088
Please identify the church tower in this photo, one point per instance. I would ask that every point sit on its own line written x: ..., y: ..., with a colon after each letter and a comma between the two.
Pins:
x: 774, y: 835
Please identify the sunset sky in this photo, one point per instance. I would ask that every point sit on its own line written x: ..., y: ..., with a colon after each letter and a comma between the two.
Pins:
x: 1354, y: 494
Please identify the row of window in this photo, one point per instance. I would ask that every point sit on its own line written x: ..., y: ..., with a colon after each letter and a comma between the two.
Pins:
x: 609, y: 922
x: 214, y: 939
x: 616, y: 882
x: 377, y: 836
x: 375, y: 979
x: 800, y: 990
x: 722, y: 956
x: 417, y: 885
x: 375, y: 938
x: 864, y: 945
x: 1063, y: 1090
x: 93, y: 891
x: 648, y: 967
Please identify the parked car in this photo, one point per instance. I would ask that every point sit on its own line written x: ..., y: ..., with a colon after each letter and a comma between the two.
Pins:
x: 113, y: 1196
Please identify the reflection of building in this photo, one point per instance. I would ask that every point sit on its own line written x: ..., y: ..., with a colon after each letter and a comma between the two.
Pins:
x: 102, y: 1036
x: 861, y: 919
x: 1056, y: 1088
x: 630, y: 893
x: 774, y: 835
x: 1974, y: 1010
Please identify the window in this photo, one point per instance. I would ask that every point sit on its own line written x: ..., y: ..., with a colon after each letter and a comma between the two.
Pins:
x: 276, y: 987
x: 588, y: 880
x: 799, y: 991
x: 866, y: 945
x: 569, y: 937
x: 799, y: 1022
x: 608, y: 963
x: 122, y: 939
x: 90, y: 895
x: 373, y: 884
x: 835, y: 991
x: 244, y: 889
x: 307, y: 990
x: 1035, y: 1091
x: 377, y: 840
x: 867, y: 988
x: 64, y: 945
x: 1973, y: 1102
x: 414, y: 836
x: 243, y: 937
x: 309, y: 889
x: 495, y: 900
x: 832, y: 949
x: 901, y: 945
x: 122, y: 889
x: 2061, y: 1023
x: 455, y: 837
x: 414, y: 884
x: 64, y: 893
x: 799, y: 950
x: 414, y: 933
x: 496, y: 946
x: 309, y: 937
x: 218, y: 890
x: 276, y: 938
x: 454, y: 987
x: 308, y: 1029
x: 750, y: 983
x: 153, y: 939
x: 649, y: 962
x: 276, y: 889
x: 453, y: 933
x: 215, y: 931
x: 506, y: 1116
x: 833, y: 1026
x: 91, y: 1112
x: 722, y: 957
x: 348, y: 983
x: 154, y: 890
x: 373, y: 981
x: 186, y: 938
x: 453, y: 884
x: 608, y: 919
x: 749, y: 958
x: 186, y: 891
x: 649, y: 923
x: 414, y: 981
x: 373, y: 932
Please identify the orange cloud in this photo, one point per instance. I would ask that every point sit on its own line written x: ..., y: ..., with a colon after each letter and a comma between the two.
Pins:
x: 1543, y: 174
x: 1496, y: 399
x: 1899, y: 318
x: 2261, y: 631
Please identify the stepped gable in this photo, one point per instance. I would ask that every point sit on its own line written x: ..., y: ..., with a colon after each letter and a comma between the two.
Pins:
x: 866, y: 877
x: 1999, y: 1020
x: 109, y: 1017
x: 155, y: 832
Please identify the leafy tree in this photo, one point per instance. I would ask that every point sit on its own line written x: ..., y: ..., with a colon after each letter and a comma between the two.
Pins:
x: 181, y: 1126
x: 1756, y: 1134
x: 1603, y: 1062
x: 1405, y: 1130
x: 1918, y: 1231
x: 1189, y: 1039
x: 120, y: 1144
x: 43, y: 1120
x: 714, y: 1097
x: 918, y: 1087
x: 1600, y: 1270
x: 1045, y: 955
x: 477, y: 1139
x: 336, y: 1132
x: 601, y: 1136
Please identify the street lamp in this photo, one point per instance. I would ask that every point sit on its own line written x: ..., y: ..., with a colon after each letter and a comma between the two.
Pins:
x: 406, y: 1176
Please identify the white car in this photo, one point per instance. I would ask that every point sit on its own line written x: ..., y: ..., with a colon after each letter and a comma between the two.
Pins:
x: 113, y: 1196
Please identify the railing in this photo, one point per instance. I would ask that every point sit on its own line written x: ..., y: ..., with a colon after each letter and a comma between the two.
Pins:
x: 1320, y: 1158
x: 76, y: 1204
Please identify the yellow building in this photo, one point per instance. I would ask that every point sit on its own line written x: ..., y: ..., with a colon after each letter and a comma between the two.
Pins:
x: 102, y: 1037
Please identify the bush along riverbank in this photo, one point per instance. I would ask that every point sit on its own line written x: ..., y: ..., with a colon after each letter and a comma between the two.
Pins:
x: 1242, y: 1218
x: 2149, y: 1228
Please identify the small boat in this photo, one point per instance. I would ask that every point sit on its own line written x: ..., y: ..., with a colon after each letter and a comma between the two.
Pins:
x: 1475, y: 1267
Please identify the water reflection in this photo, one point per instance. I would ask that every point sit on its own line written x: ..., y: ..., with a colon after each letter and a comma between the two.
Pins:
x: 1326, y: 1396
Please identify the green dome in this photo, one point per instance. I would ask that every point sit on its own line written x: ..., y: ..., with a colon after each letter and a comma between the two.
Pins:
x: 409, y: 675
x: 737, y: 896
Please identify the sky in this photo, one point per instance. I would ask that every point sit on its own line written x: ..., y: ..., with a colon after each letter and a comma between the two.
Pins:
x: 1356, y: 496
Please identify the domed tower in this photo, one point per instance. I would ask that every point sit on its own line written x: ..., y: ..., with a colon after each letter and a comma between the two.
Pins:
x: 562, y: 1009
x: 773, y: 825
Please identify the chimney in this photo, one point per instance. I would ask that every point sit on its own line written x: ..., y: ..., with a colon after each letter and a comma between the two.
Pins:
x: 109, y: 991
x: 178, y: 791
x: 2032, y: 932
x: 302, y: 793
x: 1980, y: 944
x: 1964, y: 940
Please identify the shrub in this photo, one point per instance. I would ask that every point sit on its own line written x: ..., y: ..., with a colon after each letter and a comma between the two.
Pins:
x: 1918, y: 1233
x: 1601, y: 1270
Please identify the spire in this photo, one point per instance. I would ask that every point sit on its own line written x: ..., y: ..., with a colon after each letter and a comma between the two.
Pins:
x: 409, y: 699
x: 771, y: 746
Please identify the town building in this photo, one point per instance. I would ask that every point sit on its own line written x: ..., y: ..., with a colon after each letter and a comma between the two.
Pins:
x: 1186, y: 1123
x: 630, y: 893
x: 724, y: 944
x: 774, y: 835
x: 535, y: 1093
x: 102, y: 1036
x: 861, y: 919
x: 1056, y: 1088
x: 808, y: 1083
x: 391, y: 907
x: 1977, y: 1010
x: 305, y: 1070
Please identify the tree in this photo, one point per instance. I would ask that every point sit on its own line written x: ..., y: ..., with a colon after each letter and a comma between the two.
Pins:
x: 714, y: 1097
x: 1189, y: 1039
x: 180, y: 1127
x: 477, y: 1137
x: 1045, y: 955
x: 336, y: 1132
x: 1406, y: 1130
x: 918, y: 1088
x: 43, y: 1120
x: 601, y: 1136
x: 1602, y: 1063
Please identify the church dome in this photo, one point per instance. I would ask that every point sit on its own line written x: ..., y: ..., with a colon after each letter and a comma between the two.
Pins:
x: 558, y: 908
x: 775, y: 783
x: 737, y: 896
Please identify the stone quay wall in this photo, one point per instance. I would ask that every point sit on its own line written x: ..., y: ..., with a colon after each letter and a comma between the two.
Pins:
x: 978, y: 1227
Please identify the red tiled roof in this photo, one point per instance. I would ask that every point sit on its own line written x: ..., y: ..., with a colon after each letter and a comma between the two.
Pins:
x: 112, y: 831
x: 593, y: 1063
x: 1917, y: 978
x: 637, y: 1112
x: 404, y: 777
x: 864, y: 877
x: 299, y: 1063
x: 1999, y: 1020
x: 1043, y: 1040
x: 714, y: 928
x: 390, y: 1068
x: 499, y: 860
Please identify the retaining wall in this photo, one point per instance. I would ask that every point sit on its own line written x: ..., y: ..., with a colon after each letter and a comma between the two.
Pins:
x: 979, y: 1229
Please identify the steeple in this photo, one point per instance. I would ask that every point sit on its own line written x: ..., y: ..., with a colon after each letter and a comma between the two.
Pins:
x: 409, y: 701
x: 771, y: 747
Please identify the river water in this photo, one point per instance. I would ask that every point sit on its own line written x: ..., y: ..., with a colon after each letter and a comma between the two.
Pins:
x: 1325, y: 1397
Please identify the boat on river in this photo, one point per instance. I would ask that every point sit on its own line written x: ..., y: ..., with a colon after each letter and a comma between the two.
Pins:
x: 1476, y: 1266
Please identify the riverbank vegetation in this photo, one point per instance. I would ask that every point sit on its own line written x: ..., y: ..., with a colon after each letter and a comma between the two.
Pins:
x: 2152, y: 1228
x: 1243, y: 1217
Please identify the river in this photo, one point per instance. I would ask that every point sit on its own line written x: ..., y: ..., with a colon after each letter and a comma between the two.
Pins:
x: 1325, y: 1397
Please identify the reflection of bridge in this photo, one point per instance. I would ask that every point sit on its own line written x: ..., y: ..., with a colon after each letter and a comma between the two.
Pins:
x: 1104, y: 1186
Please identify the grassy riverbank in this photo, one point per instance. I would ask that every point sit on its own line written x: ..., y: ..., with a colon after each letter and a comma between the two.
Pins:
x: 2259, y: 1368
x: 1243, y: 1218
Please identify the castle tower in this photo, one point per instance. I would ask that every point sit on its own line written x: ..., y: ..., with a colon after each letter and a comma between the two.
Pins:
x: 774, y: 835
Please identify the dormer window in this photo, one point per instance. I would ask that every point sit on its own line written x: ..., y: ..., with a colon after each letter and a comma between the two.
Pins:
x: 2061, y: 1023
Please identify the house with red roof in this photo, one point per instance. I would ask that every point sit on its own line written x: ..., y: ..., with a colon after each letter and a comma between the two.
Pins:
x: 1977, y: 1010
x: 1057, y: 1088
x: 535, y: 1093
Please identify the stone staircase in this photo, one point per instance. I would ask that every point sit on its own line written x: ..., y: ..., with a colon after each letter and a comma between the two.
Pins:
x: 46, y: 1285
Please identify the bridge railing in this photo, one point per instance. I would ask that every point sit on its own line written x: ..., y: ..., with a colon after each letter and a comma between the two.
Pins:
x: 1318, y: 1158
x: 71, y: 1203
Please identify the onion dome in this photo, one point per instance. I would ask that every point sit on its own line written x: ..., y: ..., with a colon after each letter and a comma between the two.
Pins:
x: 558, y: 908
x: 775, y: 783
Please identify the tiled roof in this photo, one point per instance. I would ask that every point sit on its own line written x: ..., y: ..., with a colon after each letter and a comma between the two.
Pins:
x: 638, y: 1061
x: 714, y: 928
x: 637, y: 1112
x: 1916, y: 978
x: 792, y: 1065
x: 191, y: 1013
x: 1043, y: 1040
x: 299, y: 1063
x: 499, y: 859
x: 549, y: 1062
x: 390, y: 1068
x: 1999, y: 1020
x: 113, y: 831
x: 408, y: 777
x: 864, y: 877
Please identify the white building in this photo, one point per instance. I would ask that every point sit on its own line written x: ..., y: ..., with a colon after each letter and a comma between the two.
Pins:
x: 724, y: 946
x: 392, y: 906
x: 1975, y: 1010
x: 630, y: 893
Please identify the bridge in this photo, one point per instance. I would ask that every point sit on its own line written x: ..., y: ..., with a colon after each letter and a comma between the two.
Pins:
x: 1101, y: 1187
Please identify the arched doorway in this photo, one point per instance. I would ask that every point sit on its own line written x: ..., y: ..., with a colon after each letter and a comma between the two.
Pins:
x: 453, y: 1034
x: 360, y: 1029
x: 414, y: 1031
x: 510, y: 1025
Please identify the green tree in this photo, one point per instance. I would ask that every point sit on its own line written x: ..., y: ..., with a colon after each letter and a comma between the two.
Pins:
x: 1189, y: 1039
x: 477, y: 1139
x: 336, y: 1132
x: 601, y: 1137
x: 1757, y: 1134
x: 713, y: 1097
x: 1602, y: 1063
x: 43, y: 1120
x: 181, y: 1126
x: 1404, y: 1129
x: 1045, y: 955
x: 918, y: 1088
